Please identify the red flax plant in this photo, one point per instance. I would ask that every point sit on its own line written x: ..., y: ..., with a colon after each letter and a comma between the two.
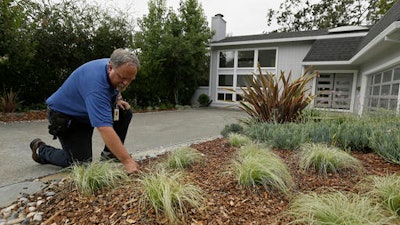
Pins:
x: 9, y: 101
x: 268, y: 98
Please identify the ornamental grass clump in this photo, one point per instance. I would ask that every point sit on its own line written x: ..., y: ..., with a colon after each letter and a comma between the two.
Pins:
x: 91, y: 177
x: 337, y: 208
x: 386, y: 190
x: 326, y: 159
x: 255, y: 165
x: 183, y: 157
x: 238, y: 140
x: 9, y: 101
x: 168, y: 193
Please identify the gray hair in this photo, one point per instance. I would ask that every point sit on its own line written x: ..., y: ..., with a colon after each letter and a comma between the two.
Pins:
x: 121, y: 56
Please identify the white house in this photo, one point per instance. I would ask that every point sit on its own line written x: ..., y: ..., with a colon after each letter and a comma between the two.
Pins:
x: 359, y: 66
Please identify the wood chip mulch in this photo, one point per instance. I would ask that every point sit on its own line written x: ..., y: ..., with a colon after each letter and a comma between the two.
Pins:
x: 226, y: 201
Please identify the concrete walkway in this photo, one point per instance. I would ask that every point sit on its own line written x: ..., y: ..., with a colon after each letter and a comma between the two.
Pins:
x: 149, y: 133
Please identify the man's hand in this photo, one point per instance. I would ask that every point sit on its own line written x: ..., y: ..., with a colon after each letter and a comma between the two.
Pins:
x: 131, y: 166
x: 123, y: 104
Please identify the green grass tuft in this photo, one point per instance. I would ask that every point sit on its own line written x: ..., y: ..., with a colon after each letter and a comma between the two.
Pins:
x: 238, y: 140
x: 91, y: 177
x: 255, y: 165
x: 386, y: 189
x: 169, y: 193
x: 183, y: 157
x: 337, y: 208
x: 325, y: 159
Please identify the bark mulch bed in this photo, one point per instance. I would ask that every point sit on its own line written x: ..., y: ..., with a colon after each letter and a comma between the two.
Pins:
x: 226, y: 201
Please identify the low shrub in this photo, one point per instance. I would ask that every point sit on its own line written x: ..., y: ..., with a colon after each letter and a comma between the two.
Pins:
x: 385, y: 141
x: 231, y: 128
x: 354, y: 134
x: 287, y: 136
x: 322, y: 131
x: 203, y: 99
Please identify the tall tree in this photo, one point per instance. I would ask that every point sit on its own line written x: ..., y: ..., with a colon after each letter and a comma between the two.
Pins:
x: 196, y: 35
x: 70, y: 33
x: 17, y: 46
x: 149, y: 87
x: 173, y: 51
x: 301, y: 15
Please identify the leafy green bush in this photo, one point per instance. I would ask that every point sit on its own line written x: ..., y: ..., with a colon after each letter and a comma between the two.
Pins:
x: 255, y: 165
x: 231, y: 128
x: 270, y: 98
x: 260, y: 131
x: 354, y: 135
x: 287, y: 136
x: 326, y: 159
x: 322, y: 131
x: 337, y: 208
x: 203, y: 99
x: 385, y: 141
x: 91, y: 177
x: 238, y: 140
x: 169, y: 193
x: 183, y: 157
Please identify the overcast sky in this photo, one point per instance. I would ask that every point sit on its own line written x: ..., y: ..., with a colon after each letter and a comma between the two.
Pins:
x: 243, y: 17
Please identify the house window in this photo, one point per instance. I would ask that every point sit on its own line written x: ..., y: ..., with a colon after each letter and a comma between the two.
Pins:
x: 246, y: 58
x: 236, y: 65
x: 225, y: 96
x: 333, y: 91
x: 267, y: 58
x: 242, y: 80
x: 226, y: 59
x: 383, y: 90
x: 225, y: 80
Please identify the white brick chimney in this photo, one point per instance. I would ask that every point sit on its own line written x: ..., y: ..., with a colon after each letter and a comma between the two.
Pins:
x: 218, y: 25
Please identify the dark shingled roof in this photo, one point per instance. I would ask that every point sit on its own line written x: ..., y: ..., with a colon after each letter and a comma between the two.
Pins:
x: 392, y: 15
x: 274, y: 35
x: 336, y: 49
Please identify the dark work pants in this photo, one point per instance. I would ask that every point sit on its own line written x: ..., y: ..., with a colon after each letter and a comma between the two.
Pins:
x: 76, y: 142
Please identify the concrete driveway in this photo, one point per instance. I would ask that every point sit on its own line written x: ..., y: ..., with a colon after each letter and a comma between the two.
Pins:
x: 149, y: 133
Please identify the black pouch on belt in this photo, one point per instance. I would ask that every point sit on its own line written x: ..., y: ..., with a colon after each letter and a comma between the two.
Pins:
x: 59, y: 123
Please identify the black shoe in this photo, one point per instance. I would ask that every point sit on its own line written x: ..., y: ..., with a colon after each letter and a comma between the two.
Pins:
x: 35, y: 144
x: 106, y: 156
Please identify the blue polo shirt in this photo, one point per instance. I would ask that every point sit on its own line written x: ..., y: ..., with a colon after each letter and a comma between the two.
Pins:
x: 86, y: 94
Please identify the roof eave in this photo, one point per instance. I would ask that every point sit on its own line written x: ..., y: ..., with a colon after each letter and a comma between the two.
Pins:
x: 383, y: 36
x: 294, y: 39
x: 325, y: 63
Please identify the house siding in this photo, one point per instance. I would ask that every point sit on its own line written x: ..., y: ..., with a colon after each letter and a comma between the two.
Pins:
x: 289, y: 56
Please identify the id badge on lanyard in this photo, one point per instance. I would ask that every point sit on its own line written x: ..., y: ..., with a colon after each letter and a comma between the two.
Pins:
x: 116, y: 113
